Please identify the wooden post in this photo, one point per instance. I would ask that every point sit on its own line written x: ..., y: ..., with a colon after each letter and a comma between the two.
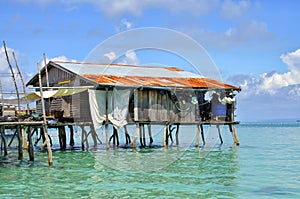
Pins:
x: 13, y: 75
x: 20, y: 144
x: 202, y: 133
x: 197, y: 135
x: 82, y: 137
x: 219, y: 131
x: 23, y: 84
x: 177, y: 134
x: 141, y: 134
x: 62, y: 137
x: 136, y: 136
x: 2, y: 128
x: 24, y: 138
x: 127, y: 137
x: 233, y: 132
x: 45, y: 128
x: 150, y: 133
x: 30, y: 146
x: 165, y: 136
x: 72, y: 143
x: 94, y: 135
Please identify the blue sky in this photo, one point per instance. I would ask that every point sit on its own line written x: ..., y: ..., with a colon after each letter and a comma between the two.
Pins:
x: 254, y: 44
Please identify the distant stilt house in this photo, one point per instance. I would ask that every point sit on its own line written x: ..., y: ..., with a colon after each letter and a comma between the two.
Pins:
x: 121, y: 94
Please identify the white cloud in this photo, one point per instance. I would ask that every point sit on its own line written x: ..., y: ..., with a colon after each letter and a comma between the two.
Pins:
x: 273, y: 83
x: 233, y: 9
x: 124, y: 25
x: 62, y: 58
x: 276, y: 81
x: 130, y: 58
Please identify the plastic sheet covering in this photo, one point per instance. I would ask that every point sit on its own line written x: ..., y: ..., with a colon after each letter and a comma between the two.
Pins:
x: 117, y: 106
x: 31, y: 97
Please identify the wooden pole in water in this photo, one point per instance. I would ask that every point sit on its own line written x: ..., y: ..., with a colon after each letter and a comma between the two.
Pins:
x: 177, y: 134
x: 22, y: 81
x: 219, y: 131
x: 72, y: 143
x: 24, y: 138
x: 20, y: 146
x: 13, y: 75
x: 30, y: 146
x: 150, y: 133
x: 202, y: 134
x: 197, y: 135
x: 165, y: 136
x: 136, y: 136
x: 2, y: 128
x: 234, y: 136
x: 106, y: 118
x: 44, y: 118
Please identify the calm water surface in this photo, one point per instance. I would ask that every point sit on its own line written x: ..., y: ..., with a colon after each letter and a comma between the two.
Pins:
x: 265, y: 165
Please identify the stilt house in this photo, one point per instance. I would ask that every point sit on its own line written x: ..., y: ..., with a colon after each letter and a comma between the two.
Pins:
x: 123, y: 94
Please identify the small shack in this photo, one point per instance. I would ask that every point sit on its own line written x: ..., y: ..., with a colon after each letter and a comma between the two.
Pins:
x: 122, y: 94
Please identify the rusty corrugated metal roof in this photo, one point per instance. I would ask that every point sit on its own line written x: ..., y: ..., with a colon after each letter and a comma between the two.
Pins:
x: 132, y: 75
x: 159, y: 81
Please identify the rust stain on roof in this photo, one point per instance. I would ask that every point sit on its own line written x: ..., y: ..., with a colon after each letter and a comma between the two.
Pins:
x: 159, y: 81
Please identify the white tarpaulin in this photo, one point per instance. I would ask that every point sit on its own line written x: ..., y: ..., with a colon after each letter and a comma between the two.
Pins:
x: 117, y: 106
x: 31, y: 97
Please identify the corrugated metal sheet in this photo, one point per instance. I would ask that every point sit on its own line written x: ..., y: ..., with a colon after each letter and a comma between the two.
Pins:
x: 131, y: 75
x: 159, y: 81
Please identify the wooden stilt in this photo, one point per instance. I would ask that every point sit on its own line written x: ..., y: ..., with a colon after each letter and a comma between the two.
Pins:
x: 165, y: 136
x: 202, y: 134
x: 94, y: 135
x: 106, y: 136
x: 177, y: 134
x: 44, y: 118
x: 62, y: 137
x: 144, y: 135
x: 219, y: 131
x: 150, y: 133
x: 72, y: 142
x: 141, y: 135
x: 20, y: 143
x: 135, y: 136
x: 30, y: 146
x: 2, y: 128
x: 234, y: 136
x: 127, y: 137
x: 197, y: 135
x: 82, y: 138
x: 25, y: 145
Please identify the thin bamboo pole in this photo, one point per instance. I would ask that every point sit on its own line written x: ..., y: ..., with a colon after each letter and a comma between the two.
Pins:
x: 44, y: 117
x: 136, y: 136
x: 13, y: 75
x: 22, y: 81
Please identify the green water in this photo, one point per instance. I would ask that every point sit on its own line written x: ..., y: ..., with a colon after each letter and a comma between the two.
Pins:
x: 265, y: 165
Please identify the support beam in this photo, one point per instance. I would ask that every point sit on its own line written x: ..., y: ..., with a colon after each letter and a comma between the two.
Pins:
x: 197, y: 135
x: 177, y: 134
x: 164, y: 141
x: 234, y: 136
x: 2, y: 129
x: 150, y: 134
x: 20, y: 143
x: 219, y: 131
x: 136, y: 136
x: 30, y: 145
x: 72, y: 142
x: 202, y: 134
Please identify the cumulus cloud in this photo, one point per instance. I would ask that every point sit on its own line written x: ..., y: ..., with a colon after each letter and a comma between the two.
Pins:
x: 273, y: 83
x: 124, y: 25
x: 62, y: 58
x: 233, y: 9
x: 129, y: 57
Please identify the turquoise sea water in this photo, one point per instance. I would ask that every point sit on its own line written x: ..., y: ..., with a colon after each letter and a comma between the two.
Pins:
x: 265, y: 165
